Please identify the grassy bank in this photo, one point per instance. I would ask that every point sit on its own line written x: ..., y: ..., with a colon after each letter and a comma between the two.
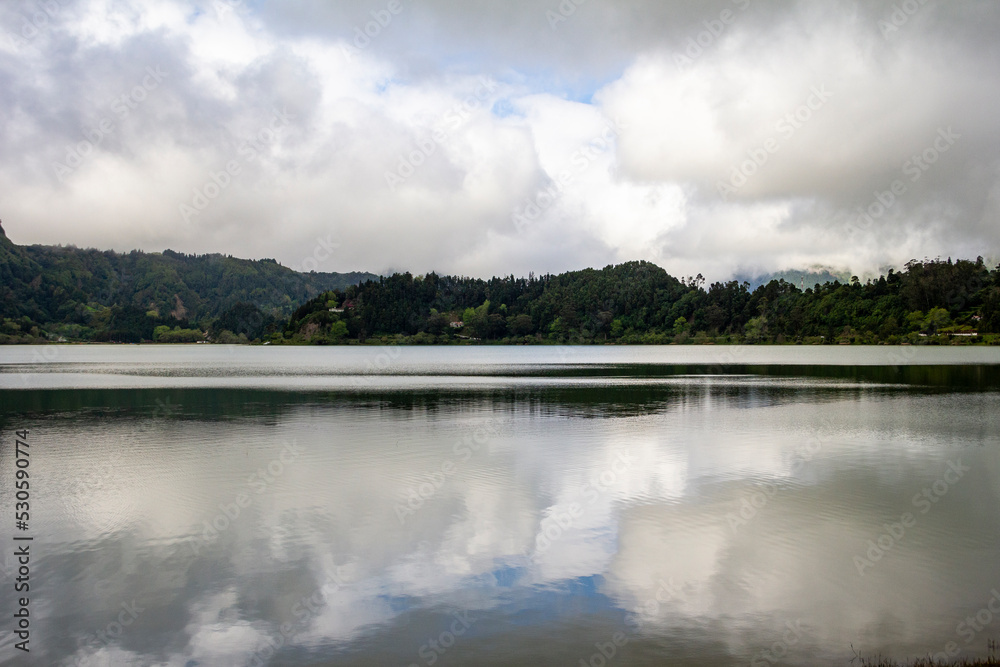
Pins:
x: 938, y: 660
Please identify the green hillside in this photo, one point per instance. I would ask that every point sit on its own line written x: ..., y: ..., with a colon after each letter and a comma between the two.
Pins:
x: 52, y: 293
x: 928, y: 302
x: 75, y: 293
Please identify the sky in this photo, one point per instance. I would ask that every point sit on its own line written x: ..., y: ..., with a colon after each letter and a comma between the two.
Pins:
x: 722, y: 137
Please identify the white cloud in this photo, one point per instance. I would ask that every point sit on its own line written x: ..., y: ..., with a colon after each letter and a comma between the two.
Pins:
x: 650, y: 193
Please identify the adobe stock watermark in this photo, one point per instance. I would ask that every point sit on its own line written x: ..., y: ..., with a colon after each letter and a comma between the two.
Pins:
x: 666, y: 593
x: 903, y: 356
x: 786, y: 127
x: 436, y: 647
x: 304, y: 610
x: 322, y: 252
x: 444, y: 129
x: 580, y: 162
x: 733, y: 356
x: 112, y: 632
x: 223, y: 7
x: 714, y: 28
x: 973, y: 624
x: 565, y: 352
x: 561, y: 520
x: 913, y: 170
x: 35, y: 22
x: 607, y: 651
x: 562, y: 12
x: 432, y: 483
x: 40, y: 354
x: 122, y: 106
x: 252, y: 148
x: 364, y: 35
x: 83, y: 488
x: 752, y: 504
x: 900, y: 16
x: 896, y: 532
x: 969, y: 628
x: 377, y: 364
x: 779, y: 649
x: 258, y: 482
x: 108, y: 574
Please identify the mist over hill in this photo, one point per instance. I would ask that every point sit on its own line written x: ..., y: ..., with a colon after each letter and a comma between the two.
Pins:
x: 803, y: 279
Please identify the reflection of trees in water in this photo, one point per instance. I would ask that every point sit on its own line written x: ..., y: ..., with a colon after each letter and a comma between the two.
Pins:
x: 617, y: 390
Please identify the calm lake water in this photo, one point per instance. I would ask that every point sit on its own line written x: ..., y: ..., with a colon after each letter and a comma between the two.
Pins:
x: 208, y: 505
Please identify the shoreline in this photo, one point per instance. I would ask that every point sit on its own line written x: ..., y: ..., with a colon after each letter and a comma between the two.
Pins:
x: 396, y: 341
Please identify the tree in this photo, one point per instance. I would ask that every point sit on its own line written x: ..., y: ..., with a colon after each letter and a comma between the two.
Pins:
x: 476, y: 320
x: 755, y: 329
x: 521, y: 325
x: 937, y: 318
x: 338, y: 331
x: 437, y: 323
x: 990, y: 313
x: 617, y: 328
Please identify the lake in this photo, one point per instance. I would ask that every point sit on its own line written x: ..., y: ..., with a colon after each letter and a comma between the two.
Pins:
x: 213, y: 505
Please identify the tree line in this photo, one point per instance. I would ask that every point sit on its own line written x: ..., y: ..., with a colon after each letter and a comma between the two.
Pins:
x: 929, y: 301
x: 63, y: 293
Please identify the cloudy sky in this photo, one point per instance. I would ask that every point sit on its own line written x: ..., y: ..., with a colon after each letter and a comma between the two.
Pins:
x: 481, y: 138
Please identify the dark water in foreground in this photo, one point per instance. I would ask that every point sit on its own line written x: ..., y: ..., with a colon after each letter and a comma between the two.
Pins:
x: 204, y: 505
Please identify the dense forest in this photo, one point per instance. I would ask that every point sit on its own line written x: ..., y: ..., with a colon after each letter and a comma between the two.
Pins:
x: 56, y: 292
x: 67, y: 294
x: 930, y: 301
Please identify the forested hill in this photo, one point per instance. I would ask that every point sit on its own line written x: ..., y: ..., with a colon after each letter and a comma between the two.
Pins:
x: 930, y: 301
x: 53, y: 293
x: 68, y: 290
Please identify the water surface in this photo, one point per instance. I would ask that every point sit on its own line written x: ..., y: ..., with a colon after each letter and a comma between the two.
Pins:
x: 504, y: 506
